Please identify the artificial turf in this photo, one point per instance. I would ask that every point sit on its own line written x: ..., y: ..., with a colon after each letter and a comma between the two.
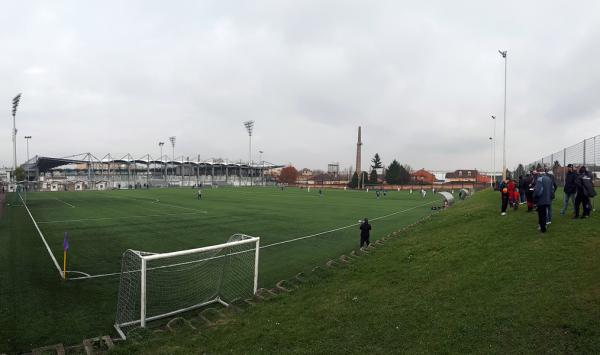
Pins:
x: 465, y: 281
x: 38, y: 308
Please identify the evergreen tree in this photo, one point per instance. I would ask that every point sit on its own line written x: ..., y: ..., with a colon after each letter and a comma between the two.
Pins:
x: 20, y: 174
x: 373, y: 177
x: 392, y: 174
x: 376, y: 162
x: 404, y: 175
x: 354, y: 181
x: 520, y: 171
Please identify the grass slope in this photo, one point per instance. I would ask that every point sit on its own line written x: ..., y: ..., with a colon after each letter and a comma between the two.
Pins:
x: 466, y: 281
x: 37, y: 308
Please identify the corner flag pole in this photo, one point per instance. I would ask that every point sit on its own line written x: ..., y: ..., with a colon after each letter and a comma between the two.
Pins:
x: 65, y: 248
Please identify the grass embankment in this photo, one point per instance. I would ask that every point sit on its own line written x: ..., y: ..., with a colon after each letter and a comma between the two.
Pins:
x: 466, y: 281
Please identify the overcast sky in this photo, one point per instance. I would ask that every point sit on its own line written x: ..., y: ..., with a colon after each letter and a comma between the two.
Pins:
x: 421, y: 77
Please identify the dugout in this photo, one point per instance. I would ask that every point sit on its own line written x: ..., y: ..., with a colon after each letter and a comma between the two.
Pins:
x: 448, y: 198
x: 464, y: 193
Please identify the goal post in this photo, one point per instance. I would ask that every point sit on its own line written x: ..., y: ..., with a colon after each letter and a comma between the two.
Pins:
x: 158, y: 285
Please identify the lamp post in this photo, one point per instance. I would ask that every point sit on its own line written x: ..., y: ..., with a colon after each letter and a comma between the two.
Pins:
x: 16, y: 100
x: 27, y: 138
x: 250, y: 127
x: 172, y: 140
x: 504, y: 54
x: 262, y: 168
x: 492, y: 162
x: 494, y: 149
x: 160, y: 144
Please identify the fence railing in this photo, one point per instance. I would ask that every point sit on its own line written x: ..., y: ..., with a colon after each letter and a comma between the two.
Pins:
x: 586, y: 152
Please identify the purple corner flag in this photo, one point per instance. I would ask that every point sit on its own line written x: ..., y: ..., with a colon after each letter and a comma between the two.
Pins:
x: 66, y: 242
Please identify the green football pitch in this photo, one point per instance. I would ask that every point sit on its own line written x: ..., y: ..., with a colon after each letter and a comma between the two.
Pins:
x: 298, y: 230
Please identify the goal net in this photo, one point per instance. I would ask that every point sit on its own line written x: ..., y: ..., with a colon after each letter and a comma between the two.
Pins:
x: 154, y: 286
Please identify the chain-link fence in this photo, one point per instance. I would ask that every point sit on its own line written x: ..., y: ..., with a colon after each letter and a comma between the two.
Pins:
x: 586, y: 152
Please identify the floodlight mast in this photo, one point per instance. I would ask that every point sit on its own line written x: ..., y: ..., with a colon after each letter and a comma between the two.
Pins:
x: 504, y: 55
x: 249, y: 127
x: 492, y: 162
x: 160, y: 144
x: 494, y: 148
x: 172, y: 139
x: 15, y: 105
x: 262, y: 168
x: 27, y: 138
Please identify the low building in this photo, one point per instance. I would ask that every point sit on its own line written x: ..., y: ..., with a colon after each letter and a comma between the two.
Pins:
x: 462, y: 176
x: 422, y: 176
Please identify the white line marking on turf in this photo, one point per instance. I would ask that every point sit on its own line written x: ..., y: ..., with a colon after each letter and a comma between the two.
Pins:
x: 66, y: 203
x: 124, y: 217
x: 273, y: 244
x: 43, y: 239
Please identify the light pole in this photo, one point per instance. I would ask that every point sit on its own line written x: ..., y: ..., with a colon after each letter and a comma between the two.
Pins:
x: 494, y: 148
x: 27, y: 138
x: 250, y: 127
x: 262, y: 168
x: 16, y: 100
x: 160, y: 144
x: 172, y: 140
x: 492, y: 162
x: 504, y: 54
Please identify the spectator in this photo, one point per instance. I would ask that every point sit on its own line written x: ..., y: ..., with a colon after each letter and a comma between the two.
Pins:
x: 521, y: 185
x: 529, y: 183
x: 542, y: 196
x: 585, y: 191
x: 504, y: 197
x: 570, y: 189
x: 553, y: 194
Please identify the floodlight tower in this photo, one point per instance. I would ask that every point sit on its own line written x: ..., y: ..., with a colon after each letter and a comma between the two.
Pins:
x: 27, y: 138
x: 492, y: 162
x: 494, y: 148
x: 249, y: 127
x: 15, y: 104
x: 172, y: 140
x: 262, y: 168
x: 504, y: 54
x: 160, y: 144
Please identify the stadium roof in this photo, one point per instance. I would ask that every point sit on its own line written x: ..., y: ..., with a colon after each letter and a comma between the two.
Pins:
x: 45, y: 164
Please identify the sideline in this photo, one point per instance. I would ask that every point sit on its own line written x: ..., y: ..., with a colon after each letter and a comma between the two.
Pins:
x: 60, y: 272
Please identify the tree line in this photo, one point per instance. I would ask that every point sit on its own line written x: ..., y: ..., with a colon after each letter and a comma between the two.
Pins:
x: 394, y: 174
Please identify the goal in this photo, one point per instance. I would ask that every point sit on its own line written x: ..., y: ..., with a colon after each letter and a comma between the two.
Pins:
x: 159, y: 285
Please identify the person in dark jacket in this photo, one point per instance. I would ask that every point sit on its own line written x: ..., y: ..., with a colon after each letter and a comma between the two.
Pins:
x: 529, y: 183
x: 570, y: 188
x: 554, y: 187
x: 585, y: 190
x: 521, y: 186
x: 365, y: 233
x: 542, y: 196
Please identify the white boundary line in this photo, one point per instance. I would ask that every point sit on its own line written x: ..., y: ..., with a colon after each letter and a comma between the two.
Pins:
x: 285, y: 241
x: 66, y: 203
x: 43, y: 239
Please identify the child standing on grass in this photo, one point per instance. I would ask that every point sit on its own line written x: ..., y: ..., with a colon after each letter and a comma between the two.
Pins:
x: 504, y: 194
x: 199, y: 194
